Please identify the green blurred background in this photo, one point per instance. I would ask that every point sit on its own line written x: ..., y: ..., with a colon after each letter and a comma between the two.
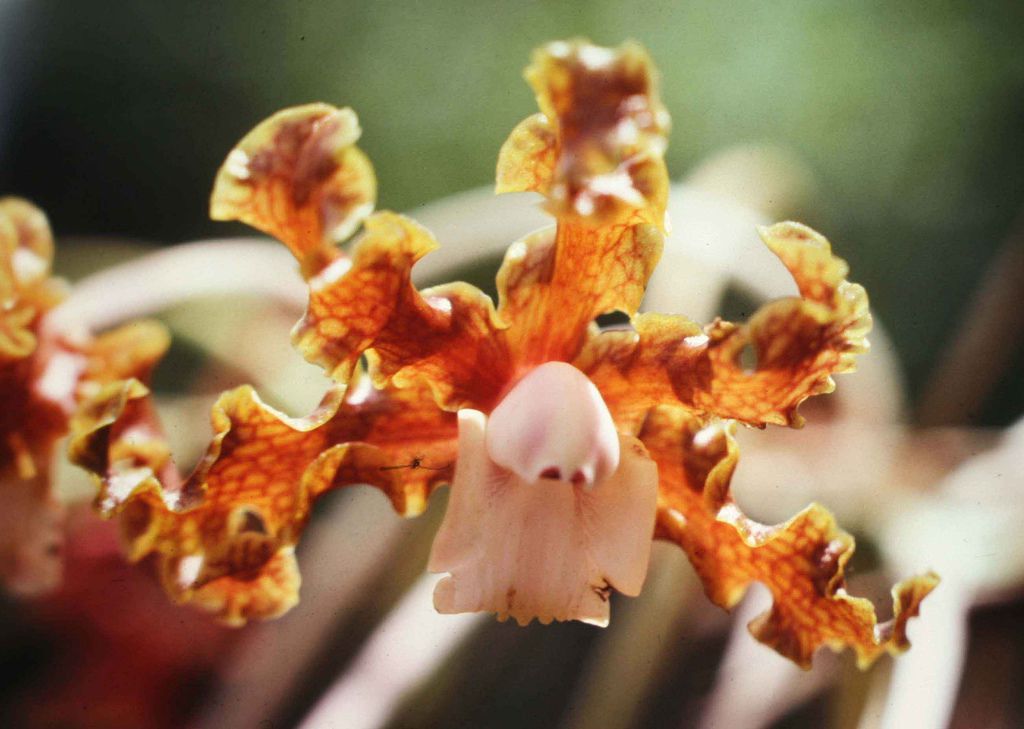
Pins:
x: 115, y: 116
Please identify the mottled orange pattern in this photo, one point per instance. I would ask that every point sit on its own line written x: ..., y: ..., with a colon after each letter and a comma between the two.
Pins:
x: 368, y: 305
x: 801, y: 562
x: 299, y: 177
x: 224, y: 537
x: 431, y: 352
x: 595, y: 153
x: 602, y: 138
x: 42, y: 377
x: 595, y: 150
x: 26, y: 288
x: 798, y: 344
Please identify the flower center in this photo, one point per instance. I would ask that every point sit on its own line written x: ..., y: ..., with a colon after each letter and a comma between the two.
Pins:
x: 554, y: 425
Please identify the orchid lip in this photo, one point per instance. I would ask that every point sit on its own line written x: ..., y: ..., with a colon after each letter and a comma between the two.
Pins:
x: 549, y: 553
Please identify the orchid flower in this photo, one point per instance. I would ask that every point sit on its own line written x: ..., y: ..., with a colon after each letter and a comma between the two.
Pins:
x: 44, y: 374
x: 567, y: 447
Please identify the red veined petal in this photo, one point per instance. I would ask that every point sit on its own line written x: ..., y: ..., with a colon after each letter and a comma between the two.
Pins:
x: 42, y: 377
x: 448, y: 335
x: 595, y: 152
x: 222, y: 537
x: 798, y: 343
x: 263, y: 593
x: 552, y: 285
x: 26, y: 245
x: 299, y: 177
x: 801, y: 562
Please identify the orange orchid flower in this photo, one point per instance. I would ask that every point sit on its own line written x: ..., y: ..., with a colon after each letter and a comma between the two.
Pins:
x: 567, y: 447
x: 44, y: 373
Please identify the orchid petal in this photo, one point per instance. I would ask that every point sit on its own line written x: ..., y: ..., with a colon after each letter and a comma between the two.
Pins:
x: 447, y: 335
x: 595, y: 149
x: 26, y: 291
x: 595, y: 153
x: 43, y: 376
x: 267, y: 592
x: 224, y: 536
x: 801, y: 562
x: 299, y: 177
x: 799, y: 343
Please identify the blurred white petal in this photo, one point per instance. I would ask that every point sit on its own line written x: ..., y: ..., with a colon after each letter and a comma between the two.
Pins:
x: 755, y: 686
x: 922, y: 689
x: 411, y: 643
x: 969, y: 531
x: 168, y: 276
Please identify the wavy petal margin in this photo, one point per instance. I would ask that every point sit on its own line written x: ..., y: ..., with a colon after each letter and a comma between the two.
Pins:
x: 299, y: 177
x: 801, y: 562
x: 799, y: 343
x: 42, y: 377
x: 224, y: 538
x: 26, y: 289
x: 447, y: 336
x: 596, y: 154
x: 595, y: 150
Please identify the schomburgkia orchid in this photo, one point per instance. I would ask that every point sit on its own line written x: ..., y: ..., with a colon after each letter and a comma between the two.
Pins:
x: 567, y: 447
x: 44, y: 373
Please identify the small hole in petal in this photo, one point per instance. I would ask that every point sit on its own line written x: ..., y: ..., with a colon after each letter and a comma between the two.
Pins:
x: 614, y: 320
x: 736, y: 304
x: 552, y: 473
x: 578, y: 479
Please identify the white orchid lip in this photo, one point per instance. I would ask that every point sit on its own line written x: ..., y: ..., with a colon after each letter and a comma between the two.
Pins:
x: 554, y: 425
x: 550, y: 509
